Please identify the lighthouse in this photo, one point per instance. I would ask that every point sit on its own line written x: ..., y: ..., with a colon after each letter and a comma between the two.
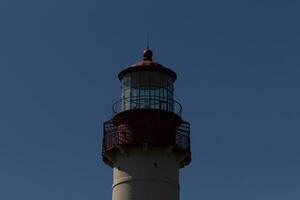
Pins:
x: 146, y: 141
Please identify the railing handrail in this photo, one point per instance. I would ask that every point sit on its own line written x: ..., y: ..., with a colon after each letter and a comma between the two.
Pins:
x: 138, y: 100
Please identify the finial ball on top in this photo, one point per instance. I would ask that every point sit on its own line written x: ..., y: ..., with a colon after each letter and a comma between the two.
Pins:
x: 148, y: 54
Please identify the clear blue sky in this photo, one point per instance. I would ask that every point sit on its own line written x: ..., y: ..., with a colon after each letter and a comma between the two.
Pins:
x: 238, y: 68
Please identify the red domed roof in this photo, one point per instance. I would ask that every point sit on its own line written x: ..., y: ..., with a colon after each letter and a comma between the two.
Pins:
x: 147, y: 64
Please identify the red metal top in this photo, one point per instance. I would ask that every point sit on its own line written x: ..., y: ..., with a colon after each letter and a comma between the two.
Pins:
x: 147, y: 64
x: 156, y: 123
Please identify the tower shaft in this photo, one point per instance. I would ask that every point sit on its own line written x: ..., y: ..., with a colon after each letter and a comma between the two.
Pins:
x: 147, y: 174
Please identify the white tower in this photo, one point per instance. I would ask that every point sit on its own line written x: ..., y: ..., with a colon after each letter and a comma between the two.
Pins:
x: 146, y: 142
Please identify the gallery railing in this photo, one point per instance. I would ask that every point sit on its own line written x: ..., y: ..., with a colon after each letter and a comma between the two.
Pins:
x: 121, y: 135
x: 147, y: 102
